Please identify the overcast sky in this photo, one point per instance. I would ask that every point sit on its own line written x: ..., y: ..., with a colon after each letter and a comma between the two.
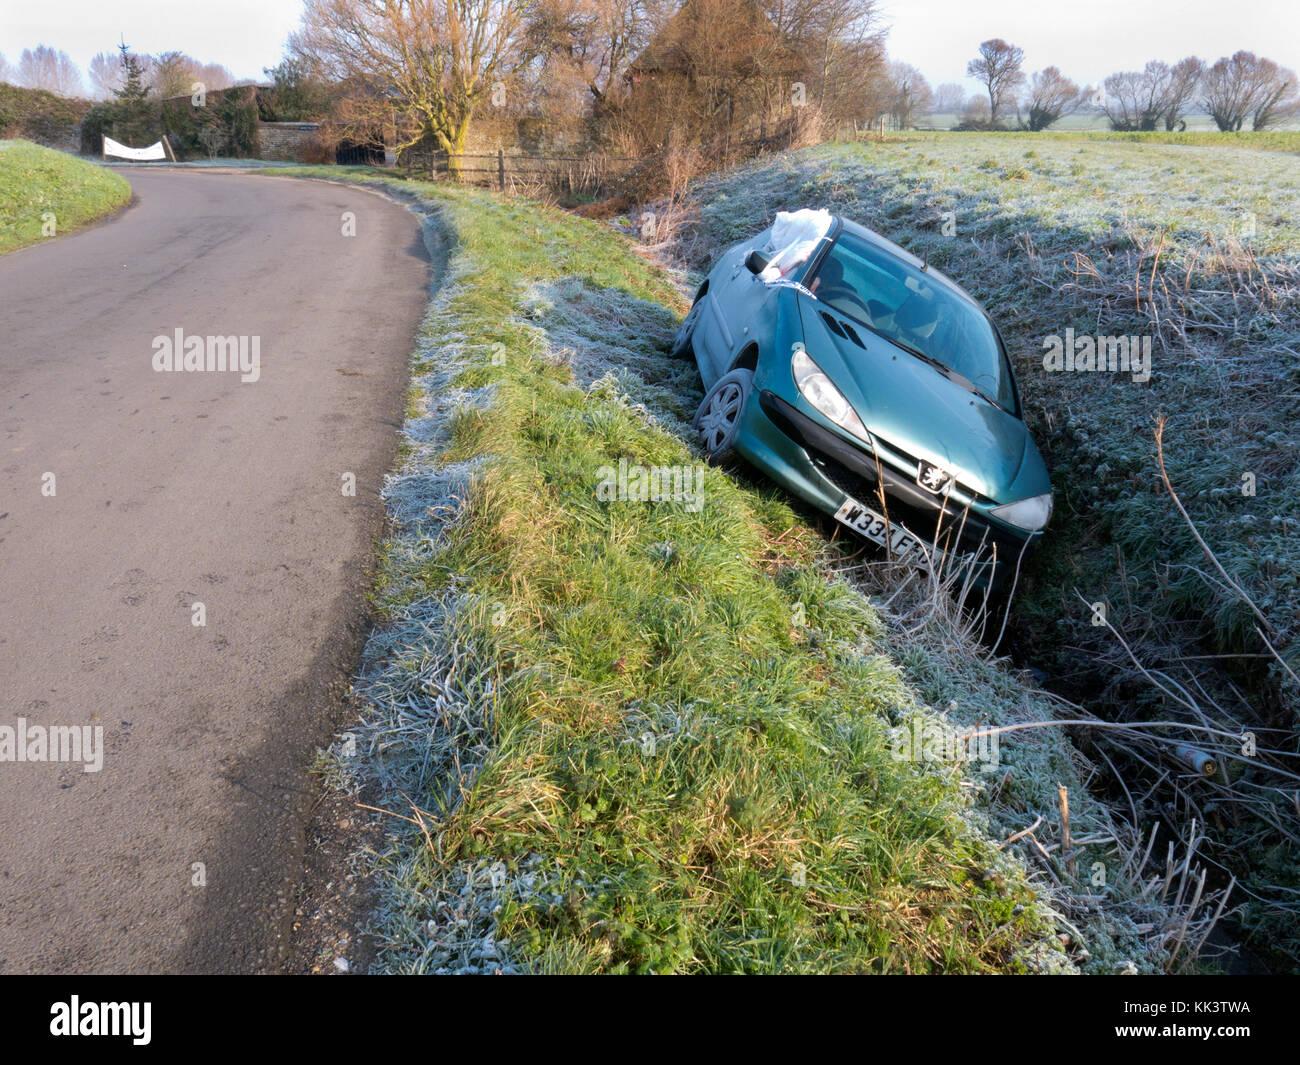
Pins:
x: 1087, y: 39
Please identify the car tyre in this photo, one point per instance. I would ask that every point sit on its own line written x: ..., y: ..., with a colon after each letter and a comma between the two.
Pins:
x: 681, y: 347
x: 717, y: 422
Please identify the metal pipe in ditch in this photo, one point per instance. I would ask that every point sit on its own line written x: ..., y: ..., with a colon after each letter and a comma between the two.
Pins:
x: 1198, y: 761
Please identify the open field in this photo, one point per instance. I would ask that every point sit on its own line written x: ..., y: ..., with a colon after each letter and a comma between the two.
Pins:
x: 1269, y: 141
x: 1094, y: 122
x: 1197, y: 249
x: 40, y: 185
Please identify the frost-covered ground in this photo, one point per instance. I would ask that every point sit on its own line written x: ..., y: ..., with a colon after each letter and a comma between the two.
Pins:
x: 1196, y: 249
x: 430, y: 726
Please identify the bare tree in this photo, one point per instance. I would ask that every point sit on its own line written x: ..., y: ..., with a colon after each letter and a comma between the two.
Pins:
x: 7, y: 72
x: 593, y: 38
x: 105, y: 72
x: 1136, y: 100
x: 1245, y: 86
x: 176, y: 74
x: 949, y: 98
x: 998, y: 67
x: 1226, y: 91
x: 576, y: 57
x: 909, y: 94
x: 215, y: 76
x: 45, y: 68
x: 843, y: 45
x: 1278, y: 101
x: 1184, y: 81
x: 732, y: 58
x: 1051, y: 95
x: 173, y: 74
x: 725, y: 74
x: 430, y: 61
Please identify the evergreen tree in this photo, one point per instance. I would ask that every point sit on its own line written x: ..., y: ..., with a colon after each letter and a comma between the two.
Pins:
x: 134, y: 118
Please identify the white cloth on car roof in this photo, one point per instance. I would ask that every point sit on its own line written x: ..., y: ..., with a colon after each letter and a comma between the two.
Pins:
x: 793, y: 238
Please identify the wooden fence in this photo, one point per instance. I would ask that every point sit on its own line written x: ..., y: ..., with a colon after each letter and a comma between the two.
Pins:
x: 574, y: 174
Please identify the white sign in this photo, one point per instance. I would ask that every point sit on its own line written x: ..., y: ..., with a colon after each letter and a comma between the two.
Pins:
x: 121, y: 151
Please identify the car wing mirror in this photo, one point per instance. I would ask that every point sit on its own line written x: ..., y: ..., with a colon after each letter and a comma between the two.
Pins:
x: 755, y: 262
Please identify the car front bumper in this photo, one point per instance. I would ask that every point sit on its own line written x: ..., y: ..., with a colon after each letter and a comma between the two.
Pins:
x: 822, y: 468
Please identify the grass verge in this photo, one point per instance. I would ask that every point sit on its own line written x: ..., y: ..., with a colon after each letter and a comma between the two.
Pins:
x: 44, y: 192
x: 622, y: 736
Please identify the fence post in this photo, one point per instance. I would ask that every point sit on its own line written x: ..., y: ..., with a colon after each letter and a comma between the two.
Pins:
x: 501, y: 168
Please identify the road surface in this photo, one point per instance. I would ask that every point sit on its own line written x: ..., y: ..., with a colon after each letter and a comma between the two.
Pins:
x: 170, y: 489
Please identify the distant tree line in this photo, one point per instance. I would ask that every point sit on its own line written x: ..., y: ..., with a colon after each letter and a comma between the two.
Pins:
x: 1242, y: 91
x: 640, y: 78
x: 164, y: 75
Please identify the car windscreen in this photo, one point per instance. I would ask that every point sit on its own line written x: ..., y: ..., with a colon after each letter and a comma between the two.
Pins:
x: 913, y: 310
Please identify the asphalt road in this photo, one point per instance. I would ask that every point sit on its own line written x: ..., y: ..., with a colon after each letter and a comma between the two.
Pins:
x: 170, y: 489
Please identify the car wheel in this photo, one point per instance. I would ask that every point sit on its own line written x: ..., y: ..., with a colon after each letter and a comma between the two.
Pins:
x: 717, y: 422
x: 681, y: 345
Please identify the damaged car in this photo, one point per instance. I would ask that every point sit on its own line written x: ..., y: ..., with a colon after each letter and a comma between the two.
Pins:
x: 867, y: 383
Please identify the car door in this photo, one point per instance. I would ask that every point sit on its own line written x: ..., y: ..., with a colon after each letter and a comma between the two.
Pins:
x: 734, y: 296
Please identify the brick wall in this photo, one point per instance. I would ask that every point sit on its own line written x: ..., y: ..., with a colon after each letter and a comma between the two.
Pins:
x: 290, y: 142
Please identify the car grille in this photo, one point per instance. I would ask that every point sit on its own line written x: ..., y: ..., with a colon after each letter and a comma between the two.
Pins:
x: 917, y: 520
x: 943, y: 521
x: 903, y: 461
x: 952, y: 530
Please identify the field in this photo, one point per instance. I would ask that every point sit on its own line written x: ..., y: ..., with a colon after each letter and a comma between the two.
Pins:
x: 1198, y: 249
x: 41, y: 187
x: 1089, y: 122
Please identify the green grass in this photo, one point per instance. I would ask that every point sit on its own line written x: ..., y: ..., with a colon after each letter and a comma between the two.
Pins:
x: 1200, y: 130
x: 676, y: 750
x: 1263, y: 141
x: 1057, y: 239
x: 44, y: 192
x: 640, y: 737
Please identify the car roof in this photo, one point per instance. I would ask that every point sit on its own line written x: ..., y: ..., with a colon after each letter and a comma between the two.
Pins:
x: 847, y: 225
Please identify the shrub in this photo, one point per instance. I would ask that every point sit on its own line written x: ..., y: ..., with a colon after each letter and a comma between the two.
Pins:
x: 40, y: 116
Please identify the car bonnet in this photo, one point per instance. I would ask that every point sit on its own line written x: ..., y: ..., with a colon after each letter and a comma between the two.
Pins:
x: 912, y: 408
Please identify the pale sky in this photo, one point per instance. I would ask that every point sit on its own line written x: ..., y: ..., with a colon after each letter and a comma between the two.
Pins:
x: 244, y: 35
x: 1087, y: 39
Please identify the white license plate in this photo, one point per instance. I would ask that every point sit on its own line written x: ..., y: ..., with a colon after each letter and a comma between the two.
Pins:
x: 902, y: 545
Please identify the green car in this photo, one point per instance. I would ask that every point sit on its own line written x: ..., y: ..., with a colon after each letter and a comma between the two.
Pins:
x: 868, y: 384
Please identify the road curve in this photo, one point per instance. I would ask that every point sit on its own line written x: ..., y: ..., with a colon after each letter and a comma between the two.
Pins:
x: 171, y: 489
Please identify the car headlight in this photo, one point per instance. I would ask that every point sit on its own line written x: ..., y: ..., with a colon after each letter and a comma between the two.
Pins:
x: 817, y: 389
x: 1029, y: 514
